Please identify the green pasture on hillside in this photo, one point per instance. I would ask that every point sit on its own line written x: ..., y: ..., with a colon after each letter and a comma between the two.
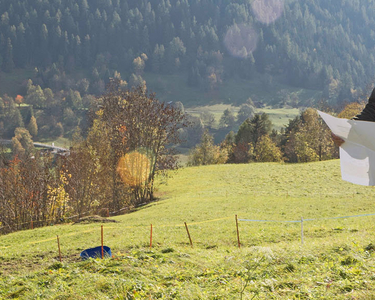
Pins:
x: 15, y: 83
x: 233, y: 91
x: 278, y: 116
x: 336, y: 261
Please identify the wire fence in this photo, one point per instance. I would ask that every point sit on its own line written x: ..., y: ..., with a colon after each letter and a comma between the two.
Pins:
x: 288, y: 193
x: 238, y: 229
x: 305, y: 220
x: 302, y: 220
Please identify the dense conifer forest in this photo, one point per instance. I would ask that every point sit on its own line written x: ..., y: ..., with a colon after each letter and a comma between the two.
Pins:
x: 78, y: 45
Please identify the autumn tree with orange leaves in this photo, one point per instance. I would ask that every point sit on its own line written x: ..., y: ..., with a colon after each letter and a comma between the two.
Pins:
x: 141, y: 131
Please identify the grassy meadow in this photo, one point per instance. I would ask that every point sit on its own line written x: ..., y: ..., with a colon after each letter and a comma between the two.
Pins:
x: 15, y: 83
x: 278, y: 116
x: 234, y: 91
x: 336, y: 261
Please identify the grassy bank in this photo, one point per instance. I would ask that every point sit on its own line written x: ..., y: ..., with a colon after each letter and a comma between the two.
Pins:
x: 335, y: 262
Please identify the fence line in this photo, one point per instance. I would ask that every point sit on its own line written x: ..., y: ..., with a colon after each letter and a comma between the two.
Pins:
x: 269, y: 221
x: 193, y: 223
x: 287, y: 193
x: 302, y: 220
x: 201, y: 222
x: 299, y: 221
x: 133, y: 226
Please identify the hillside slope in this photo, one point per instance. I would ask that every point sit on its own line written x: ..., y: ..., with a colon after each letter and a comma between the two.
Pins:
x: 335, y: 261
x: 316, y: 44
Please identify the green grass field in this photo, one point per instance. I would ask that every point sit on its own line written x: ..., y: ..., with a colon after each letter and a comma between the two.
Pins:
x: 336, y: 261
x: 280, y: 116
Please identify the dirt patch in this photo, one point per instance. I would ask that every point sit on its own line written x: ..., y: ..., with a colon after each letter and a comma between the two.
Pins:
x: 94, y: 219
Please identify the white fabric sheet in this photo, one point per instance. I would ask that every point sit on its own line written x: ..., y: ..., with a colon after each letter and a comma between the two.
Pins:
x: 357, y: 154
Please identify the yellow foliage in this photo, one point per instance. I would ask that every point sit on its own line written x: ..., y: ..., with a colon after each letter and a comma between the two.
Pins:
x: 267, y: 151
x: 58, y: 197
x: 134, y: 168
x: 99, y: 113
x: 351, y: 110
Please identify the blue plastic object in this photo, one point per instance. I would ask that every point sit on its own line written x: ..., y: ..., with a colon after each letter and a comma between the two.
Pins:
x: 96, y: 252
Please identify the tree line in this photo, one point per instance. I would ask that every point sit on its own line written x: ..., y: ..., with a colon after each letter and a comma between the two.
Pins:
x: 113, y: 166
x: 46, y: 114
x: 306, y: 138
x: 317, y: 44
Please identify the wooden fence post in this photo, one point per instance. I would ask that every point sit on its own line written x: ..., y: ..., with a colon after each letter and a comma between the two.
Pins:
x: 102, y: 243
x: 151, y: 237
x: 302, y: 230
x: 187, y: 230
x: 238, y: 234
x: 58, y: 244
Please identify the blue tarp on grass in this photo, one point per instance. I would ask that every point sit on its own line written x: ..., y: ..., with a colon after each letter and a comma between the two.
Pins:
x: 96, y: 252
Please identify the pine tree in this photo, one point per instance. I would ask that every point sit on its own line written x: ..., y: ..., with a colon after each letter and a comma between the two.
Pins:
x: 267, y: 151
x: 251, y: 130
x: 8, y: 63
x: 33, y: 127
x: 22, y: 143
x: 17, y: 148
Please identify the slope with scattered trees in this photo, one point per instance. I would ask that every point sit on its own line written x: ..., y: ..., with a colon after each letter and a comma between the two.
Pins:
x: 114, y: 167
x: 305, y: 139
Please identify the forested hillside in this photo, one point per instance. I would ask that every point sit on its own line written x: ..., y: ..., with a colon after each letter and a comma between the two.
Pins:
x: 326, y: 45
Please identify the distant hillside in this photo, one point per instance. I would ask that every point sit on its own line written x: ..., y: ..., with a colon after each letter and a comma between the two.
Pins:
x: 323, y: 45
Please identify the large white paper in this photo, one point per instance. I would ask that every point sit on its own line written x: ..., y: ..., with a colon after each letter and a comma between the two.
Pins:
x: 357, y: 154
